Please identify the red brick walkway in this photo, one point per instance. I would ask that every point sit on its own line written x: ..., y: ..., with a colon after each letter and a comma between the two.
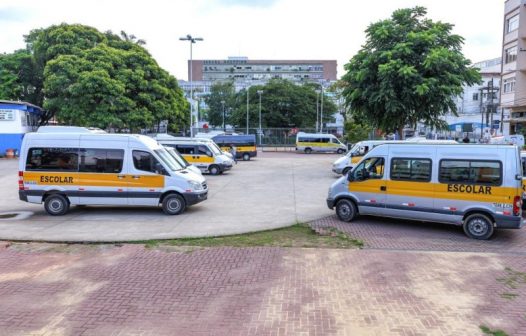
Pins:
x: 130, y: 290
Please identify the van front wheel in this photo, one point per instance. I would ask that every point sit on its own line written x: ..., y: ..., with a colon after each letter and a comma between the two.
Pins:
x: 340, y: 151
x: 174, y: 204
x: 478, y: 226
x: 308, y: 150
x: 214, y: 170
x: 346, y: 210
x: 246, y: 157
x: 56, y: 205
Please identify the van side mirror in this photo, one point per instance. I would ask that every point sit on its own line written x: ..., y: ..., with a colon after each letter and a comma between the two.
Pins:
x: 350, y: 176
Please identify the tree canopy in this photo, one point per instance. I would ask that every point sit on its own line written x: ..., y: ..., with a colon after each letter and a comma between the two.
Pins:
x: 283, y: 104
x: 409, y: 70
x: 88, y: 78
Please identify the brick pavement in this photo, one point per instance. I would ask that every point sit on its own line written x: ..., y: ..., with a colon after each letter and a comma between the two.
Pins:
x: 131, y: 290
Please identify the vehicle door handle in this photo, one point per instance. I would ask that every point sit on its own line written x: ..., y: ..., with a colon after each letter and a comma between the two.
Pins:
x: 121, y: 176
x: 383, y: 188
x: 136, y: 177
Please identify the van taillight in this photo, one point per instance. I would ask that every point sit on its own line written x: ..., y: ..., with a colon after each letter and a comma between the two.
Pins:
x: 517, y: 205
x: 20, y: 180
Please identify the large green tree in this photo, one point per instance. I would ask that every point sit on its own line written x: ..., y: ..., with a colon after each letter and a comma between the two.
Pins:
x: 408, y: 71
x: 221, y: 92
x: 88, y: 78
x: 283, y: 104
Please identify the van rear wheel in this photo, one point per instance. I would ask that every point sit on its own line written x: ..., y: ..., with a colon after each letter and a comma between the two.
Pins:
x: 478, y: 226
x: 214, y: 170
x: 308, y: 150
x: 246, y: 157
x: 56, y: 205
x: 346, y: 210
x: 174, y: 204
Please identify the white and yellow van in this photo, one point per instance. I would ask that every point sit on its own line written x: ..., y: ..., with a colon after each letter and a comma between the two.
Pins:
x: 322, y: 143
x: 63, y: 166
x: 205, y: 156
x: 476, y: 186
x: 345, y: 163
x: 167, y: 138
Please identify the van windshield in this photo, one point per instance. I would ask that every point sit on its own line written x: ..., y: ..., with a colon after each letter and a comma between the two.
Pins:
x: 168, y: 160
x: 177, y: 157
x: 354, y: 150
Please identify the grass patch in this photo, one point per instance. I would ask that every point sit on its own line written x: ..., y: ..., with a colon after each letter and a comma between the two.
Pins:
x: 5, y: 216
x: 488, y: 331
x: 513, y: 278
x: 298, y: 235
x: 509, y: 296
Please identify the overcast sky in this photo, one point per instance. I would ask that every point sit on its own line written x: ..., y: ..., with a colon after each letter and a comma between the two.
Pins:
x: 258, y: 29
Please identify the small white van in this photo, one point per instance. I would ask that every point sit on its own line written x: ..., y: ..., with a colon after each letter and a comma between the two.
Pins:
x: 476, y: 186
x: 75, y: 166
x: 321, y: 143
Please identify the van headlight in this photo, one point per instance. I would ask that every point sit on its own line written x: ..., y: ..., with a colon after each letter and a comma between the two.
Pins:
x: 196, y: 186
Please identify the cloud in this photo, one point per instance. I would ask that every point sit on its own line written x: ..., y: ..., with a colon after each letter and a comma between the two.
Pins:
x: 247, y: 3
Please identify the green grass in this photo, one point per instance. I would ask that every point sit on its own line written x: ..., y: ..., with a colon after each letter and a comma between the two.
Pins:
x: 298, y: 235
x: 513, y: 278
x: 488, y: 331
x: 509, y: 296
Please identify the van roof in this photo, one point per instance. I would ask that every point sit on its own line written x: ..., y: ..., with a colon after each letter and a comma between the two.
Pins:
x: 69, y: 129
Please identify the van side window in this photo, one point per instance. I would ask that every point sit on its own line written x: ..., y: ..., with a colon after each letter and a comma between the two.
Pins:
x: 185, y: 149
x: 101, y: 160
x: 53, y: 159
x: 418, y: 170
x: 471, y: 172
x: 144, y: 161
x: 203, y: 150
x: 371, y: 168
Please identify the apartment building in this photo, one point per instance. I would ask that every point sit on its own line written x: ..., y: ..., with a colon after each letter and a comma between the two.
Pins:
x: 513, y: 69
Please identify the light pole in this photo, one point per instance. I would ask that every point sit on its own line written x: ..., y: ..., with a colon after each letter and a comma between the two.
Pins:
x: 260, y: 92
x: 223, y: 104
x: 317, y: 96
x: 321, y: 110
x: 192, y: 40
x: 248, y: 89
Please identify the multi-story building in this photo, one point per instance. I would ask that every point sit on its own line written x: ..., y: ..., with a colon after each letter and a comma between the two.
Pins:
x: 513, y: 70
x: 241, y: 69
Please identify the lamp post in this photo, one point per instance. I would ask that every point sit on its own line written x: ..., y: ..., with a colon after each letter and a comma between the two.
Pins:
x: 260, y: 92
x: 223, y: 104
x: 248, y: 89
x: 317, y: 96
x: 321, y: 110
x: 192, y: 40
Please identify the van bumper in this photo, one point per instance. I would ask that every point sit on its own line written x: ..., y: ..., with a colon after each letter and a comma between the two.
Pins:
x: 510, y: 223
x: 337, y: 170
x: 22, y: 194
x: 330, y: 203
x: 194, y: 198
x: 224, y: 167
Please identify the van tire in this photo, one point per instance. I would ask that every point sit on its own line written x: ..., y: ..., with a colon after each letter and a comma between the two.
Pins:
x: 246, y: 157
x: 308, y: 150
x: 214, y: 170
x: 345, y: 171
x: 340, y: 151
x: 346, y: 210
x: 56, y: 204
x: 478, y: 226
x: 174, y: 204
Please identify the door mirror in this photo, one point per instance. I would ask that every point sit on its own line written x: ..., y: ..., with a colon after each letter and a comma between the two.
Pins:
x: 350, y: 176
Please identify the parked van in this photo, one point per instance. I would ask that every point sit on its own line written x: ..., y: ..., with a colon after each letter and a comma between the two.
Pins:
x: 76, y: 166
x: 245, y: 145
x: 344, y: 164
x: 322, y: 143
x: 206, y: 157
x: 166, y: 138
x: 476, y: 186
x: 182, y: 161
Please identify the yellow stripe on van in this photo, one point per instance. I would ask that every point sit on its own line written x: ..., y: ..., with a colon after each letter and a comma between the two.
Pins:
x: 198, y: 158
x: 93, y: 180
x: 356, y: 159
x: 316, y: 144
x: 240, y: 149
x: 146, y: 181
x: 464, y: 192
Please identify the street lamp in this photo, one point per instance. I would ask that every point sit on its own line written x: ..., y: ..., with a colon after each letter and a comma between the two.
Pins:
x: 317, y: 108
x: 192, y: 40
x: 248, y: 89
x: 260, y: 92
x: 321, y: 110
x: 223, y: 103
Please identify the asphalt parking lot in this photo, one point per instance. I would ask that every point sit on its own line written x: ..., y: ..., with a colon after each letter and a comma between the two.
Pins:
x: 271, y: 191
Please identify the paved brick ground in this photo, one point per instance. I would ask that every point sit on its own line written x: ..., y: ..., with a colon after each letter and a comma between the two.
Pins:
x: 130, y: 290
x: 392, y: 234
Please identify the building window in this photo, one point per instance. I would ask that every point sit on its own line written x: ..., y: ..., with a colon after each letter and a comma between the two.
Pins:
x: 509, y: 85
x: 512, y: 23
x: 475, y: 96
x: 510, y: 55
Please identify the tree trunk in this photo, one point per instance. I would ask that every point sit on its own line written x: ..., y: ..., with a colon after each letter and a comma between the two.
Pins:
x: 401, y: 133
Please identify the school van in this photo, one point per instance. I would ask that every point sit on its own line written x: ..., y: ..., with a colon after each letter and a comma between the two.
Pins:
x: 166, y: 138
x: 85, y: 168
x: 320, y: 143
x: 476, y: 186
x: 206, y: 157
x: 345, y: 163
x: 245, y: 145
x: 181, y: 160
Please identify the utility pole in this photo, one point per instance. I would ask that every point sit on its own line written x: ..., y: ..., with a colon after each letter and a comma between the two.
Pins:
x: 192, y: 40
x: 248, y: 89
x: 317, y: 108
x: 321, y: 110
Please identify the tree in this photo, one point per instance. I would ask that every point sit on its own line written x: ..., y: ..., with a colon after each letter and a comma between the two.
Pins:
x: 17, y: 81
x: 408, y: 71
x: 100, y: 79
x: 356, y: 131
x: 284, y: 104
x: 221, y: 92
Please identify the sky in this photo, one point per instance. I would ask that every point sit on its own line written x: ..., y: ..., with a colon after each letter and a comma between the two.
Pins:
x: 257, y: 29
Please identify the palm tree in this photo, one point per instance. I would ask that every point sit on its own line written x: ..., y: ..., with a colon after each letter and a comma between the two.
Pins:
x: 132, y: 38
